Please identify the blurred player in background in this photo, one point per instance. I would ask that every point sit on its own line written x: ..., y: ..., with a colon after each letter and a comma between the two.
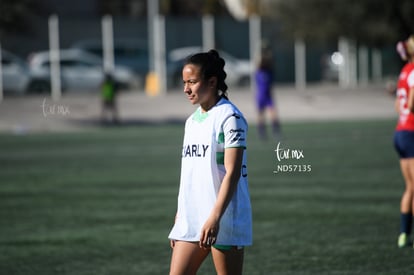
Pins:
x: 109, y: 90
x: 264, y: 97
x: 404, y: 137
x: 214, y: 212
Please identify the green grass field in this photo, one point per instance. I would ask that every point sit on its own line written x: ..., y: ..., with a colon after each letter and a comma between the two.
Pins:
x: 103, y: 201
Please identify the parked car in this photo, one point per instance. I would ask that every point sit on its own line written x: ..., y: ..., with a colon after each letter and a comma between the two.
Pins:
x: 130, y: 53
x: 15, y: 73
x: 238, y: 70
x: 79, y: 70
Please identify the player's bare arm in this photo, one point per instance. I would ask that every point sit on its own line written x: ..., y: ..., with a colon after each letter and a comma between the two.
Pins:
x: 233, y: 158
x: 397, y: 104
x: 410, y: 102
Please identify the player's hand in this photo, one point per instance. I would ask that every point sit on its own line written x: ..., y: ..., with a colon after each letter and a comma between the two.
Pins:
x: 209, y: 233
x: 172, y: 244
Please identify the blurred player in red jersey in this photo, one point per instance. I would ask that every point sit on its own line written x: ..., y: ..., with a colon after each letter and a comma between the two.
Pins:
x: 404, y: 137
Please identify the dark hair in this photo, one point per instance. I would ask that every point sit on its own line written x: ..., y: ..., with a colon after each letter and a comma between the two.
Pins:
x: 265, y: 63
x: 211, y: 64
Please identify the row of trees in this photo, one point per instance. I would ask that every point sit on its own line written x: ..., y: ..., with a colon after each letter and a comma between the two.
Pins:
x: 372, y: 22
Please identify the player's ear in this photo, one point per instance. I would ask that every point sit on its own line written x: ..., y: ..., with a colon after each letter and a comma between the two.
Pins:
x: 212, y: 82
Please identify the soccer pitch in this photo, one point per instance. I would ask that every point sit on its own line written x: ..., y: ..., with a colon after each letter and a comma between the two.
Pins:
x: 103, y: 201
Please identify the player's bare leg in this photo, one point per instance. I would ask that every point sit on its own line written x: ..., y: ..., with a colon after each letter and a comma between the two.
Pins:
x: 407, y: 169
x: 261, y: 124
x: 275, y: 121
x: 407, y: 201
x: 228, y: 262
x: 186, y: 258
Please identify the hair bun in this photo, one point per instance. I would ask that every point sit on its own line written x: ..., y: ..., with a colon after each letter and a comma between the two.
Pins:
x: 214, y: 53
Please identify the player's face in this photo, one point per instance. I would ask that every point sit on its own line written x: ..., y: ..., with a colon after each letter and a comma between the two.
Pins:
x: 195, y: 87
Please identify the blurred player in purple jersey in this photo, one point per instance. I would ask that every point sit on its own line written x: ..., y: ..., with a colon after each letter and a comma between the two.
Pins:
x: 264, y: 97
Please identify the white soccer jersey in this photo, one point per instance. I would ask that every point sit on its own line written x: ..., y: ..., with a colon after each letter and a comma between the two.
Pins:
x: 202, y: 171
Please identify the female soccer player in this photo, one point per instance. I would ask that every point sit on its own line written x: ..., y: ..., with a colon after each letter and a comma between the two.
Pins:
x: 404, y: 137
x: 214, y: 212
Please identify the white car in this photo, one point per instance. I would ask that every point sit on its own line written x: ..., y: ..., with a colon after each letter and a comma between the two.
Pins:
x: 79, y: 70
x: 128, y: 52
x: 15, y: 73
x: 238, y: 70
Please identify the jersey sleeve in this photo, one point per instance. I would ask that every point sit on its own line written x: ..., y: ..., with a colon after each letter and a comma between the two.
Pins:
x: 235, y: 132
x: 410, y: 79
